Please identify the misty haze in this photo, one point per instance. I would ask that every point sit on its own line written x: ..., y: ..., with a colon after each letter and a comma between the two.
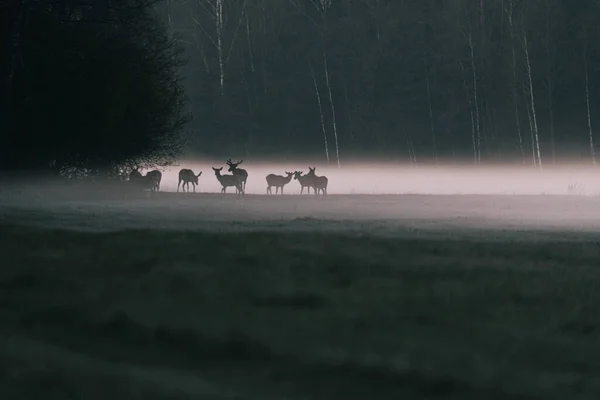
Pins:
x: 299, y: 199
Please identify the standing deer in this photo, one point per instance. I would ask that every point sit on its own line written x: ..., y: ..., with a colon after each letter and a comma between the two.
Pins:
x: 242, y: 173
x: 229, y: 180
x: 278, y: 181
x: 145, y: 182
x: 187, y: 176
x: 157, y: 177
x: 304, y: 180
x: 319, y: 182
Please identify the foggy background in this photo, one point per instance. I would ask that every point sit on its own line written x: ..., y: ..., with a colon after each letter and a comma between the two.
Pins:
x: 387, y: 178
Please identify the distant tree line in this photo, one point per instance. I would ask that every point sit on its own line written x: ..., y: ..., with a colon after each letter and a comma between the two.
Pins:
x: 481, y: 80
x: 88, y: 85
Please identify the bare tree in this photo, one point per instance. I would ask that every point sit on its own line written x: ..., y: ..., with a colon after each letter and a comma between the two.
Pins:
x: 509, y: 9
x: 312, y: 72
x: 532, y: 100
x: 475, y: 98
x: 587, y: 98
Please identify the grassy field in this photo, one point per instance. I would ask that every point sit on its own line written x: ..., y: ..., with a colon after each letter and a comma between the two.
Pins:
x: 157, y: 313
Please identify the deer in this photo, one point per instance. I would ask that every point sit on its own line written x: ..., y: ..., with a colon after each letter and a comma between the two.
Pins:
x: 242, y: 173
x: 229, y: 180
x: 148, y: 182
x: 278, y: 181
x: 187, y: 176
x: 319, y: 182
x: 304, y: 180
x: 157, y: 177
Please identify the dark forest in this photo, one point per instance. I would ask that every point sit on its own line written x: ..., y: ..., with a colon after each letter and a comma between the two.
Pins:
x: 475, y: 81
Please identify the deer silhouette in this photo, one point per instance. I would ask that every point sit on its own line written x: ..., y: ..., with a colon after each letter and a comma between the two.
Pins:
x: 187, y: 176
x: 304, y: 180
x: 278, y: 181
x: 229, y: 180
x: 319, y: 182
x: 156, y: 176
x: 242, y: 173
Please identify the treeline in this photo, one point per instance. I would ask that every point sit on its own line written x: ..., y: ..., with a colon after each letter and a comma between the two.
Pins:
x: 89, y: 86
x: 477, y: 79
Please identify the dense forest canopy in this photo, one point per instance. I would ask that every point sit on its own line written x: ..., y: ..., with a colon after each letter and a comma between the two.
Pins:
x: 89, y: 86
x: 469, y: 79
x: 475, y: 80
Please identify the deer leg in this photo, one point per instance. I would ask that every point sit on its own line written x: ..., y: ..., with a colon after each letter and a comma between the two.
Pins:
x: 178, y: 183
x: 194, y: 186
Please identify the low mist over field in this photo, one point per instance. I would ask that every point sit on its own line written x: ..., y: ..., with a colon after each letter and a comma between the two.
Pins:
x: 378, y: 178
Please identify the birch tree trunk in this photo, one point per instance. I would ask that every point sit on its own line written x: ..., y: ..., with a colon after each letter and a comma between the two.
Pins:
x: 219, y: 23
x: 532, y: 97
x: 587, y: 101
x: 335, y: 135
x: 475, y: 98
x: 533, y: 156
x: 470, y: 112
x: 431, y: 124
x: 514, y: 73
x: 312, y: 72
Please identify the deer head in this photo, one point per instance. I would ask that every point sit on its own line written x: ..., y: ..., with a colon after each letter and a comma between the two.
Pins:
x: 289, y: 173
x: 297, y: 174
x: 217, y: 170
x: 232, y: 165
x: 311, y: 171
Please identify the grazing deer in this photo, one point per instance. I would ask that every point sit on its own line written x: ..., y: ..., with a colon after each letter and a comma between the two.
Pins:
x: 278, y: 181
x: 187, y: 176
x: 242, y: 173
x: 145, y: 182
x: 157, y: 177
x: 319, y: 182
x: 229, y: 180
x: 304, y: 180
x: 149, y: 182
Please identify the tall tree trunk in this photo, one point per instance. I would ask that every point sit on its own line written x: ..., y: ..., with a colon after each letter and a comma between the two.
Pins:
x: 515, y: 82
x: 587, y: 102
x: 533, y: 156
x: 431, y: 123
x: 312, y: 72
x: 475, y: 98
x: 531, y: 95
x: 250, y: 54
x: 470, y: 112
x: 335, y: 135
x: 219, y: 21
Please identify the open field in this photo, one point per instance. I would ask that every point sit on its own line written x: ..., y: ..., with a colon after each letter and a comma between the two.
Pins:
x: 186, y: 296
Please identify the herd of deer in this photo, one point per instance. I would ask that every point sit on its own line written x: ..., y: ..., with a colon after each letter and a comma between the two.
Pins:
x: 237, y: 179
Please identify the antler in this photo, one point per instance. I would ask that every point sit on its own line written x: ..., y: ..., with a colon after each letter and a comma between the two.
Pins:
x: 239, y: 162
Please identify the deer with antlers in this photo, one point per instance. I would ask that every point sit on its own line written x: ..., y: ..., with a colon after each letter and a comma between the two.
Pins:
x: 242, y: 173
x: 187, y: 176
x: 278, y: 181
x: 319, y: 182
x: 304, y: 180
x: 229, y: 180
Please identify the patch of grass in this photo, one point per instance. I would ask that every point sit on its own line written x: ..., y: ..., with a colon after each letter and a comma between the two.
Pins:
x: 473, y: 319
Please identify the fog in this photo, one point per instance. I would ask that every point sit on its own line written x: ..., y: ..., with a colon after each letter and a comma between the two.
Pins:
x: 385, y: 200
x: 401, y: 179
